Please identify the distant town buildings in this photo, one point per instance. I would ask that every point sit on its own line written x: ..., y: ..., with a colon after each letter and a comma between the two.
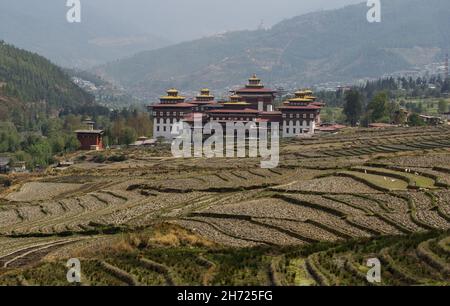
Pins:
x: 87, y: 85
x: 252, y: 103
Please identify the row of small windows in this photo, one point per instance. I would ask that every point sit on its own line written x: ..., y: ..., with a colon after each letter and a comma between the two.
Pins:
x: 294, y: 130
x: 304, y: 116
x: 168, y: 113
x: 235, y: 118
x: 161, y: 120
x: 164, y: 129
x: 305, y: 123
x: 88, y: 136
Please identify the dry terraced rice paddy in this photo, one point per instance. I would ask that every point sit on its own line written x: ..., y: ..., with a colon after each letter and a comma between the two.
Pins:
x: 301, y: 223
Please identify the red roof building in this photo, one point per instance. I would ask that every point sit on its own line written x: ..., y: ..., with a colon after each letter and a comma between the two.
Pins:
x: 171, y: 110
x: 89, y: 138
x: 253, y: 103
x: 257, y: 95
x: 300, y: 114
x: 331, y: 128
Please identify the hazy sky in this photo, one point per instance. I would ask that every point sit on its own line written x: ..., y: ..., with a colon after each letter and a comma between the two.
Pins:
x: 187, y: 19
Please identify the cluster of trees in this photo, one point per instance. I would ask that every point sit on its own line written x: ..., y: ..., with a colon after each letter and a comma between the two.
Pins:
x: 385, y: 99
x: 30, y: 77
x: 37, y: 149
x: 398, y: 88
x: 402, y: 87
x: 127, y: 125
x: 381, y: 108
x: 56, y: 136
x: 40, y: 109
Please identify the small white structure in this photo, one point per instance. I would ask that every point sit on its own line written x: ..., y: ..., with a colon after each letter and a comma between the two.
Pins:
x: 144, y: 142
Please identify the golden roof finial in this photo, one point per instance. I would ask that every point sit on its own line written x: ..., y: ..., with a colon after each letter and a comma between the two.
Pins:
x: 172, y: 95
x: 254, y: 78
x: 172, y: 92
x: 254, y: 82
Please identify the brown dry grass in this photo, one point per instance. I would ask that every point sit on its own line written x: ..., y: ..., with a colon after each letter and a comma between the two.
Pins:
x: 163, y: 235
x: 171, y: 235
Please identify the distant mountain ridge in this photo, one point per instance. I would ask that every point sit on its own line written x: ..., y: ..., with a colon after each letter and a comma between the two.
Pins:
x: 41, y: 26
x: 336, y: 45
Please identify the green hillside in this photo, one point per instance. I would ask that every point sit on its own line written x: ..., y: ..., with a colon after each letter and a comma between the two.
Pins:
x: 338, y: 45
x: 30, y: 84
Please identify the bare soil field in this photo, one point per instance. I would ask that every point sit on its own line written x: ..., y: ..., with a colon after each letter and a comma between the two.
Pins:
x: 37, y: 191
x: 329, y: 190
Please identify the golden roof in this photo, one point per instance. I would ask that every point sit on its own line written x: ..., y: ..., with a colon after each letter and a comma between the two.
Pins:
x: 236, y: 100
x: 172, y: 94
x: 254, y: 78
x: 254, y: 82
x: 236, y: 103
x: 172, y: 91
x: 304, y: 94
x: 300, y: 100
x: 310, y: 97
x: 205, y: 93
x: 172, y: 98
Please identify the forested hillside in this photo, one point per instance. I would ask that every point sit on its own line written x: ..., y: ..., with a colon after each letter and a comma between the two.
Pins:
x: 32, y: 86
x: 33, y: 94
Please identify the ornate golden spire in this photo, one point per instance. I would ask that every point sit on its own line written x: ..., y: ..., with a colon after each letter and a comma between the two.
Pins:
x: 172, y: 96
x: 173, y: 92
x: 205, y: 95
x: 303, y: 96
x: 254, y: 82
x: 205, y: 92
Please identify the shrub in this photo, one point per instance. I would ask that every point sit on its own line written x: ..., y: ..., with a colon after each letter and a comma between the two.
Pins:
x: 117, y: 158
x: 81, y: 158
x: 7, y: 183
x: 100, y: 158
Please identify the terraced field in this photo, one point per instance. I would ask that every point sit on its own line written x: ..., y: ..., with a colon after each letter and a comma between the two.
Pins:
x: 301, y: 223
